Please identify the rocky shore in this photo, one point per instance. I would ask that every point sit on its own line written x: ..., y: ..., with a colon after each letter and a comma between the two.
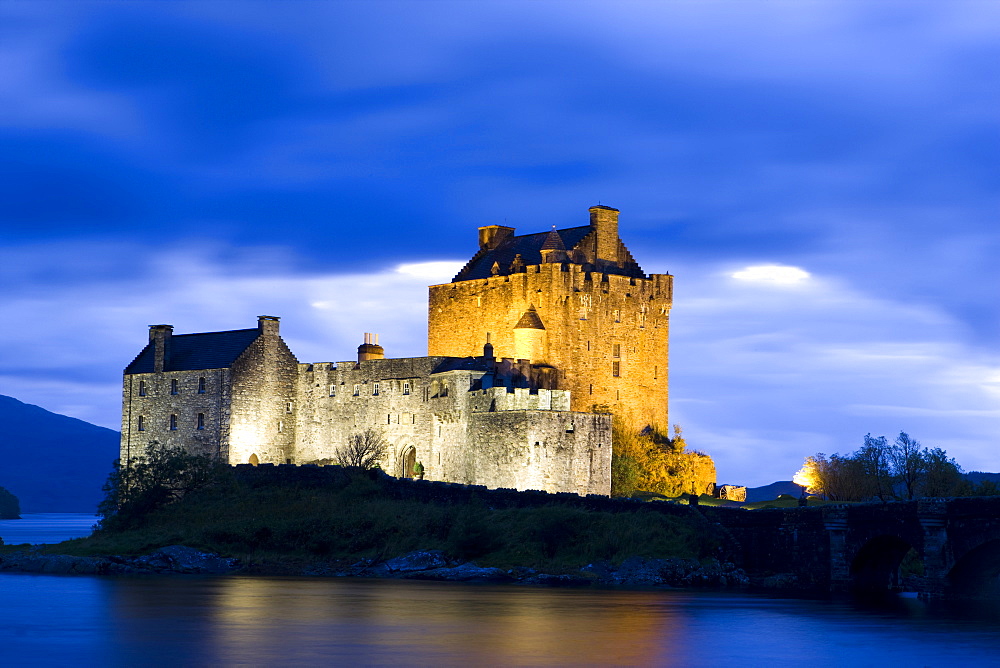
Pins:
x: 420, y: 565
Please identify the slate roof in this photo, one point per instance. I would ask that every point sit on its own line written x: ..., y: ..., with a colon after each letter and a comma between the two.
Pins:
x: 190, y: 352
x: 528, y: 246
x: 530, y: 320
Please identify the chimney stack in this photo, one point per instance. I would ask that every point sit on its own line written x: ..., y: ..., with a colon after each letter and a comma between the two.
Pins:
x: 268, y: 324
x: 159, y: 336
x: 370, y: 349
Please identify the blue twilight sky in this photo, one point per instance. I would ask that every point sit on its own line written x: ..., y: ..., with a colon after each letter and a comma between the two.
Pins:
x: 200, y: 163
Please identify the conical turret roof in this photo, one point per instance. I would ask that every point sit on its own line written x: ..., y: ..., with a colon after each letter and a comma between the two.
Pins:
x: 530, y: 320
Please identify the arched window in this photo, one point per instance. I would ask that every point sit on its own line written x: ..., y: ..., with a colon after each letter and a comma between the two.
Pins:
x: 173, y: 423
x: 201, y: 420
x: 173, y: 386
x: 201, y: 385
x: 142, y: 423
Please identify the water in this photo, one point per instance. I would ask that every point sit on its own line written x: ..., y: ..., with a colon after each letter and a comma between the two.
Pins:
x: 224, y: 621
x: 38, y: 528
x: 227, y: 621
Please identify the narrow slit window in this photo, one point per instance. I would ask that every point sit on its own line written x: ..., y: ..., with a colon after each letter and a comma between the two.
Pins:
x: 173, y: 387
x: 173, y: 423
x: 201, y: 385
x: 333, y: 390
x: 201, y: 420
x: 616, y: 350
x: 142, y: 423
x: 142, y: 388
x: 357, y: 390
x: 375, y: 389
x: 616, y: 369
x: 289, y: 406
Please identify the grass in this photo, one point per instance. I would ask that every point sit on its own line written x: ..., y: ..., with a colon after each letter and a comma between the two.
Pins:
x: 277, y: 526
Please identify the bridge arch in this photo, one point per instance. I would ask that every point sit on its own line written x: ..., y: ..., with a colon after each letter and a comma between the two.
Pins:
x: 977, y: 573
x: 876, y: 566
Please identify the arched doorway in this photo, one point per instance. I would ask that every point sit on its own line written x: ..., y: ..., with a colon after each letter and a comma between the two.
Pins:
x: 253, y: 459
x: 407, y: 461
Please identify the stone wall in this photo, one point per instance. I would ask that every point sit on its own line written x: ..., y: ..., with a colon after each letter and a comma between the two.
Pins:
x: 150, y: 398
x: 263, y: 405
x: 596, y: 326
x: 458, y: 425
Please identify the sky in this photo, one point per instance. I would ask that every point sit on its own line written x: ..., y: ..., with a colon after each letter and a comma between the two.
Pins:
x: 822, y: 178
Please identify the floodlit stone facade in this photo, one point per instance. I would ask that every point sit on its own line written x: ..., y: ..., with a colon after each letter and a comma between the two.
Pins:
x: 242, y: 396
x: 531, y: 347
x: 574, y: 299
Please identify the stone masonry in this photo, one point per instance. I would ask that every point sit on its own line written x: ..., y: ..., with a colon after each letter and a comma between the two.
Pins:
x: 574, y: 299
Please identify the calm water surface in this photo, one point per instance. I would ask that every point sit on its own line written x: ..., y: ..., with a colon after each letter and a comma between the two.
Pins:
x: 173, y: 621
x: 231, y: 621
x: 38, y: 528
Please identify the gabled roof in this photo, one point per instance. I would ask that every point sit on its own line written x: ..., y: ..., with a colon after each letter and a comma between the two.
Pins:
x: 190, y: 352
x: 528, y: 246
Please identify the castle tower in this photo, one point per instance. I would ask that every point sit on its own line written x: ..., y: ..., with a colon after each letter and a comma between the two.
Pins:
x: 572, y: 298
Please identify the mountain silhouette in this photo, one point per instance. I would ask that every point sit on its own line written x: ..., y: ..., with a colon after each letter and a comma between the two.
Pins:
x: 53, y: 463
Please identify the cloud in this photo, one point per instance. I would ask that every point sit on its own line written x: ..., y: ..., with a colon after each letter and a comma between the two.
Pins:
x: 771, y: 273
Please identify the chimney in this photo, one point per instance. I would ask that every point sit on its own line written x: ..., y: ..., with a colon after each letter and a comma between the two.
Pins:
x: 159, y: 336
x: 604, y: 219
x: 268, y: 324
x: 492, y: 236
x: 370, y: 349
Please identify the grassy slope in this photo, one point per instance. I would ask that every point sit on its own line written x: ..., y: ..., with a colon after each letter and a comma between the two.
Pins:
x: 286, y: 525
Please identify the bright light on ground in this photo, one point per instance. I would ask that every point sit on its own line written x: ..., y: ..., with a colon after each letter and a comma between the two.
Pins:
x: 433, y: 271
x: 771, y: 273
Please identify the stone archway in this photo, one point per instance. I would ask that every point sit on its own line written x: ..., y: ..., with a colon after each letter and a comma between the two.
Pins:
x: 977, y: 573
x: 407, y: 460
x: 875, y: 568
x: 254, y: 460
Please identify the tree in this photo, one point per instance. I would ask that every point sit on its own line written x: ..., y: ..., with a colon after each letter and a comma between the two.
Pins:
x: 161, y: 475
x: 364, y: 449
x: 652, y: 461
x: 908, y: 463
x: 943, y: 476
x: 876, y: 472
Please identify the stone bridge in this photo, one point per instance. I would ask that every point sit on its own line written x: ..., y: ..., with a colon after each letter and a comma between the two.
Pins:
x: 861, y: 547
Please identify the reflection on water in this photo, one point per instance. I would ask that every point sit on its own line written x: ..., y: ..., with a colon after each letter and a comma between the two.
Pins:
x: 38, y: 528
x: 292, y: 621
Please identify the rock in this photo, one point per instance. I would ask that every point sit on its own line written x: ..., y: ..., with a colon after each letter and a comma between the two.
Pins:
x: 548, y: 580
x: 421, y: 560
x: 182, y: 559
x: 467, y: 572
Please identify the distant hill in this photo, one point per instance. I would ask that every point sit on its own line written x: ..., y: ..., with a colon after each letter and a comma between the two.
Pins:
x: 976, y: 477
x: 51, y: 462
x: 771, y: 492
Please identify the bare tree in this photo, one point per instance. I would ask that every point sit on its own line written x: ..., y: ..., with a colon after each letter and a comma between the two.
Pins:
x: 908, y: 463
x: 364, y: 449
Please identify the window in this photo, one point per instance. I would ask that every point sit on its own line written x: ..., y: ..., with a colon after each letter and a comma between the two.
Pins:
x: 618, y: 315
x: 142, y: 388
x: 201, y: 385
x: 616, y: 350
x: 201, y: 420
x: 289, y: 406
x: 142, y: 423
x: 333, y: 390
x: 173, y: 386
x: 173, y: 423
x: 616, y: 369
x: 406, y: 387
x: 374, y: 389
x: 357, y: 390
x: 281, y: 426
x: 656, y: 371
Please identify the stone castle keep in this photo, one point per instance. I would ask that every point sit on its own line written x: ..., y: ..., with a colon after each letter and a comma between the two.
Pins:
x: 531, y: 346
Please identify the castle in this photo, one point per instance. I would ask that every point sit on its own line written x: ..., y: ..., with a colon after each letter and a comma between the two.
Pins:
x: 530, y: 348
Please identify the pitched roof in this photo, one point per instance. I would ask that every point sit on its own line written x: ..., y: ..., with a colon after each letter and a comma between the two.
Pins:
x: 190, y: 352
x: 530, y: 320
x: 528, y: 246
